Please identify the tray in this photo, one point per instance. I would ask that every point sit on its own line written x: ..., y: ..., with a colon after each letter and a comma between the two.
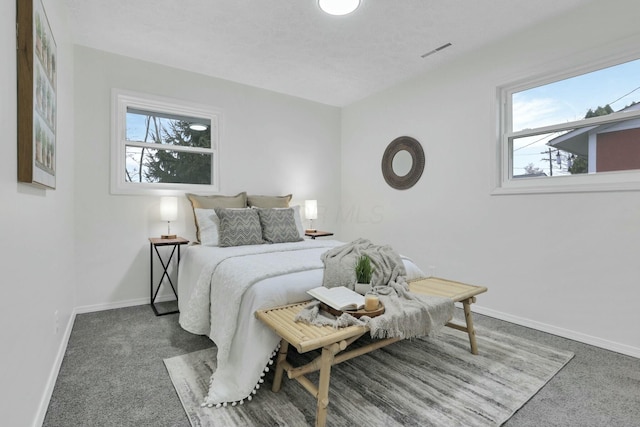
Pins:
x: 355, y: 313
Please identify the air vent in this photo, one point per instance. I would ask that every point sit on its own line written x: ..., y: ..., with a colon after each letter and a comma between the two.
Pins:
x: 438, y: 49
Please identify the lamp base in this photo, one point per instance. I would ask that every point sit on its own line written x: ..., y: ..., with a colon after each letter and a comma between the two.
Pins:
x: 311, y: 230
x: 168, y: 236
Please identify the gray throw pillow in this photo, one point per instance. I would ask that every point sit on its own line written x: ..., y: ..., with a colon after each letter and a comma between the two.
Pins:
x: 278, y: 225
x: 239, y: 227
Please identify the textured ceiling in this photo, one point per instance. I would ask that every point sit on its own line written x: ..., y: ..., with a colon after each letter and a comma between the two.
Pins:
x: 290, y: 46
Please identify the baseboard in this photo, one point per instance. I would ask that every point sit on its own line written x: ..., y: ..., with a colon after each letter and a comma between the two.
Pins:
x: 561, y: 332
x: 53, y: 375
x: 121, y: 304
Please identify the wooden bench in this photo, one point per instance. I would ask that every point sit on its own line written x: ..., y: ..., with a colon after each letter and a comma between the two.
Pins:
x: 332, y: 341
x: 458, y: 292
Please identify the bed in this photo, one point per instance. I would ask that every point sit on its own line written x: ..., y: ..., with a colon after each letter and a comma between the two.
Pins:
x: 246, y: 345
x: 221, y: 288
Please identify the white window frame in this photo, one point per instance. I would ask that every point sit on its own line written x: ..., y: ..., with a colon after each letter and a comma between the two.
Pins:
x: 120, y: 101
x: 589, y: 182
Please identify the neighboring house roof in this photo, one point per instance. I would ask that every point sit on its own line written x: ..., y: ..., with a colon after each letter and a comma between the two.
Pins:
x: 577, y: 140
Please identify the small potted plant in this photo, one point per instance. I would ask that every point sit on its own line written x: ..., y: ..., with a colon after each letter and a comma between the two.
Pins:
x: 364, y: 271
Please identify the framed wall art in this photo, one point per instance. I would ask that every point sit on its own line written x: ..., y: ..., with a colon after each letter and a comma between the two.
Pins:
x: 36, y: 50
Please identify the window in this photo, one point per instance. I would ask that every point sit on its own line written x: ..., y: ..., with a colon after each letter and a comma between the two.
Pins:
x: 578, y: 133
x: 163, y: 144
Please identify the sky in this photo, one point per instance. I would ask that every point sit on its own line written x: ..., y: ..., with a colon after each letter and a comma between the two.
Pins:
x: 568, y: 100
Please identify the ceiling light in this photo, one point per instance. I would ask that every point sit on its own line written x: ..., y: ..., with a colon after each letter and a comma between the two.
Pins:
x: 338, y: 7
x: 197, y: 126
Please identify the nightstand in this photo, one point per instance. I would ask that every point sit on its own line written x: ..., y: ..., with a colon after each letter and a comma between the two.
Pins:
x: 318, y: 233
x: 154, y: 243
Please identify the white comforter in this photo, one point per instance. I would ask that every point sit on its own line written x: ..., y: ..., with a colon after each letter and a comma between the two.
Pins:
x: 221, y: 288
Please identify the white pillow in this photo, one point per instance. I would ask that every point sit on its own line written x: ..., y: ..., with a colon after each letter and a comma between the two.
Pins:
x: 296, y: 216
x: 209, y: 225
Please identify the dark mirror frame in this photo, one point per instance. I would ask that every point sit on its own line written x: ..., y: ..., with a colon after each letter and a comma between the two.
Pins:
x: 413, y: 147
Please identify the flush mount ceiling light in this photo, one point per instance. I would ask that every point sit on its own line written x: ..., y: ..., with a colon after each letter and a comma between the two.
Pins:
x: 338, y: 7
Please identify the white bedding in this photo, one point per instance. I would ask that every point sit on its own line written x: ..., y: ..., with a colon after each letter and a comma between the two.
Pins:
x: 211, y: 305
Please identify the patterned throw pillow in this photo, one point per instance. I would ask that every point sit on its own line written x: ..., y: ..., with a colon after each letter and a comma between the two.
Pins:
x: 239, y: 227
x: 278, y: 225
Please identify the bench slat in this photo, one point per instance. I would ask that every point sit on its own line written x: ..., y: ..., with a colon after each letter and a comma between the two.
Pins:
x: 445, y: 288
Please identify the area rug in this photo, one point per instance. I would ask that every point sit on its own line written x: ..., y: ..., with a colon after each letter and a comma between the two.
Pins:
x: 419, y: 382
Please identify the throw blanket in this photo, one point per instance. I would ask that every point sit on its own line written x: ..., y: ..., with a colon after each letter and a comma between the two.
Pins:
x: 339, y: 264
x: 213, y: 309
x: 406, y: 315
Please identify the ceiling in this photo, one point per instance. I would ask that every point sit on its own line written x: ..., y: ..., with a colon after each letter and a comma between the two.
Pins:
x: 291, y: 47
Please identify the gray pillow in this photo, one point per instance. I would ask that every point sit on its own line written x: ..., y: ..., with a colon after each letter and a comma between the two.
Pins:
x: 239, y: 227
x: 278, y: 225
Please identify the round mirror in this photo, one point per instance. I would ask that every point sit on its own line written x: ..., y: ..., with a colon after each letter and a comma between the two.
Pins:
x: 403, y: 163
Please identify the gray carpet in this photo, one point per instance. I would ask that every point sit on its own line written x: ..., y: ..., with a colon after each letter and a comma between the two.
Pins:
x: 113, y: 375
x: 433, y: 382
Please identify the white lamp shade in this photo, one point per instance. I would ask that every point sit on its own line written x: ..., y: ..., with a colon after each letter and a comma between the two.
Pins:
x: 168, y: 208
x: 311, y: 209
x: 338, y: 7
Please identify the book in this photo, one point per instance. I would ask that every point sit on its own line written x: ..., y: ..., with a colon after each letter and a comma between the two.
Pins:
x: 339, y: 298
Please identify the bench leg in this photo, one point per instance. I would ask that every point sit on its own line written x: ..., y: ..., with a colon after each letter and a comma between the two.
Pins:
x: 282, y: 357
x: 466, y: 305
x: 323, y: 385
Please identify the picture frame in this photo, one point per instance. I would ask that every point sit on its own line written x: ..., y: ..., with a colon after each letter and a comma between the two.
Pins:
x: 37, y: 95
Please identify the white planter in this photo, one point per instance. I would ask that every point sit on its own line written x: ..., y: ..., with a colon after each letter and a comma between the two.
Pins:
x: 362, y: 288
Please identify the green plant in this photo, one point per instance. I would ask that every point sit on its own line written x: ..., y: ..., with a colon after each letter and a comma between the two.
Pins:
x: 364, y: 269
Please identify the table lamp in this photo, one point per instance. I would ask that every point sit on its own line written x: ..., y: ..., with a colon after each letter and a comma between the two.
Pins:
x: 168, y: 212
x: 311, y: 213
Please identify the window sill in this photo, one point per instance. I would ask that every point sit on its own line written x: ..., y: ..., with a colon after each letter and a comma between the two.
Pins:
x: 587, y: 183
x: 161, y: 189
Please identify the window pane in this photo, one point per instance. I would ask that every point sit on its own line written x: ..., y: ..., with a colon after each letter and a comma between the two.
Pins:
x: 533, y: 157
x: 593, y: 149
x: 161, y: 128
x: 597, y: 93
x: 167, y: 166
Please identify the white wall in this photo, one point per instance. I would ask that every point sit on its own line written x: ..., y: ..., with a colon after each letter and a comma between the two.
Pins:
x: 36, y: 226
x: 271, y: 144
x: 565, y: 263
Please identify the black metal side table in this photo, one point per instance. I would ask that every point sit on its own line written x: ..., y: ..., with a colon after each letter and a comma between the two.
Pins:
x: 154, y: 243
